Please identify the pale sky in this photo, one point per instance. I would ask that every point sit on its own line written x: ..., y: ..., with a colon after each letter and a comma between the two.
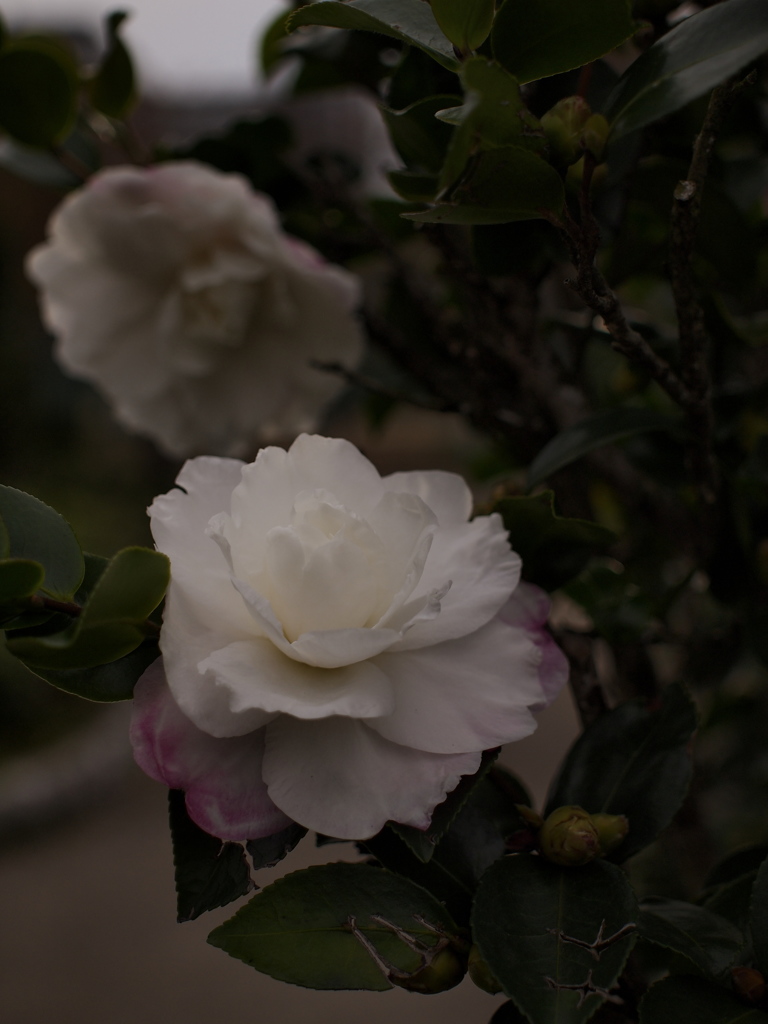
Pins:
x: 179, y: 45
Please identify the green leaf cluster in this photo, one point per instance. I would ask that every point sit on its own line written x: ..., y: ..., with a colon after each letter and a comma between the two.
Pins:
x: 79, y: 621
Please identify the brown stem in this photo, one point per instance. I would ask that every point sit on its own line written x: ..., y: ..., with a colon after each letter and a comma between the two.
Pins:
x: 74, y: 611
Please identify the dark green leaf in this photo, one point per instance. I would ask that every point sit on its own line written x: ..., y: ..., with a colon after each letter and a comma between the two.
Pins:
x: 508, y: 1014
x: 416, y: 188
x: 553, y: 549
x: 592, y: 433
x: 112, y: 622
x: 209, y: 873
x: 104, y: 683
x: 113, y: 87
x: 709, y: 941
x: 698, y: 54
x: 423, y: 842
x: 538, y: 38
x: 270, y: 850
x: 505, y: 184
x: 38, y: 533
x: 732, y: 900
x: 467, y: 23
x: 313, y: 927
x: 19, y: 578
x: 684, y: 998
x: 271, y: 50
x: 417, y: 135
x: 402, y: 19
x: 554, y: 936
x: 38, y: 91
x: 632, y: 761
x: 492, y: 115
x: 736, y: 864
x: 758, y: 918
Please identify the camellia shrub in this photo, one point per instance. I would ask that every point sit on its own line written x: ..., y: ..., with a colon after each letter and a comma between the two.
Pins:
x: 572, y: 256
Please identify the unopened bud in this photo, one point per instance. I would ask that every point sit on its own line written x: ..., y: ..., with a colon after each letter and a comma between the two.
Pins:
x: 481, y: 974
x: 611, y: 830
x: 594, y: 136
x: 444, y: 971
x: 749, y: 983
x: 568, y: 837
x: 563, y: 126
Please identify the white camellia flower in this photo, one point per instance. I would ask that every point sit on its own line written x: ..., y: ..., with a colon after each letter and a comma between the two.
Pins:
x: 175, y: 291
x: 339, y: 648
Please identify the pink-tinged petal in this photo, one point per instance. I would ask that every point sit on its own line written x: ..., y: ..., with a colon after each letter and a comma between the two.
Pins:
x: 483, y: 571
x: 446, y: 494
x: 528, y: 608
x: 256, y: 674
x: 225, y: 794
x: 340, y: 778
x: 467, y: 694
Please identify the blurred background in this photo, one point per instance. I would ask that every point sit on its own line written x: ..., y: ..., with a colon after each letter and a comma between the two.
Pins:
x: 88, y: 932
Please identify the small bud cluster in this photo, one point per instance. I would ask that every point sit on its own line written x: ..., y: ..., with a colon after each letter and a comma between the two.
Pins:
x: 570, y: 836
x: 572, y: 130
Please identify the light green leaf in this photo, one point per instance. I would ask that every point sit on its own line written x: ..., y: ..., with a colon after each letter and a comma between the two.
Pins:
x: 412, y: 21
x: 314, y: 927
x: 112, y: 622
x: 538, y: 38
x: 37, y: 533
x: 698, y: 54
x: 505, y: 184
x: 595, y: 432
x: 467, y: 23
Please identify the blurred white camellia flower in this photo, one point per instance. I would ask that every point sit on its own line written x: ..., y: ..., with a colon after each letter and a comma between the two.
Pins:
x: 339, y: 648
x: 176, y: 292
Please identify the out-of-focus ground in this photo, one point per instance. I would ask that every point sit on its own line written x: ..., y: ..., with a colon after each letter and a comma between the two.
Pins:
x: 88, y: 932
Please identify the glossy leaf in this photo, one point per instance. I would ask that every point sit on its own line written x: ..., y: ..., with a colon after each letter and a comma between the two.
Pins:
x: 411, y: 22
x: 505, y: 185
x: 417, y: 135
x: 314, y: 927
x: 758, y: 918
x: 553, y: 548
x: 685, y: 998
x: 423, y: 842
x: 539, y: 38
x: 493, y: 114
x: 38, y: 533
x: 209, y: 873
x: 633, y: 761
x: 104, y: 683
x: 698, y: 54
x: 112, y: 622
x: 709, y: 941
x: 270, y: 850
x: 38, y: 91
x: 113, y: 87
x: 556, y: 938
x: 467, y: 23
x: 592, y: 433
x: 19, y: 578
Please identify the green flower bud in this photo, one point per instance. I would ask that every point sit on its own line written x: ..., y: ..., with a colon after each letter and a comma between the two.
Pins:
x: 481, y: 974
x: 611, y: 830
x: 563, y: 126
x: 594, y: 136
x: 568, y: 837
x: 444, y: 971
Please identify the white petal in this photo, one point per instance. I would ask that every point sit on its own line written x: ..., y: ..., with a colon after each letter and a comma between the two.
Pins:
x: 467, y: 694
x: 446, y: 494
x: 483, y: 570
x: 257, y: 675
x: 340, y: 778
